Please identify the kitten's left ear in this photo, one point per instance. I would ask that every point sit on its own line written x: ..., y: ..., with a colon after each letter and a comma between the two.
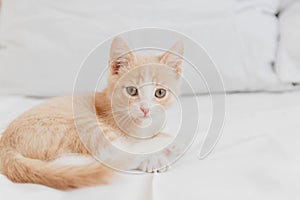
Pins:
x: 173, y: 57
x: 121, y: 57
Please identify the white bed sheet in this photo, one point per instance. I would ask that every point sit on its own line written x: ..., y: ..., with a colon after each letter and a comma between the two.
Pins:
x: 256, y: 158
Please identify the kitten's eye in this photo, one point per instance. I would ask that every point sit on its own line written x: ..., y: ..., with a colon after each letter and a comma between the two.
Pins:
x: 132, y: 91
x: 160, y: 93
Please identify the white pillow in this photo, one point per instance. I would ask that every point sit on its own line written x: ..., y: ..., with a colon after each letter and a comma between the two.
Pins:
x: 288, y: 59
x: 47, y: 40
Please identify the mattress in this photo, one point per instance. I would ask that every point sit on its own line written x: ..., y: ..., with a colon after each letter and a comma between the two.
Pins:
x: 257, y: 157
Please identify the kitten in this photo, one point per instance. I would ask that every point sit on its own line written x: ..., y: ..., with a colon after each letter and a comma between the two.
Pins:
x: 54, y: 146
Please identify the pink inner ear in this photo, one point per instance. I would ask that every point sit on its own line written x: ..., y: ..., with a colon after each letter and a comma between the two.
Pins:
x: 115, y: 67
x: 118, y: 64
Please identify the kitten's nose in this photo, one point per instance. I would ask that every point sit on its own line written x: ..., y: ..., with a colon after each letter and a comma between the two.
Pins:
x: 145, y: 110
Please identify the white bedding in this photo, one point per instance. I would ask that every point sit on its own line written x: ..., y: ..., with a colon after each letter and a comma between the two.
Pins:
x: 256, y: 158
x: 52, y: 37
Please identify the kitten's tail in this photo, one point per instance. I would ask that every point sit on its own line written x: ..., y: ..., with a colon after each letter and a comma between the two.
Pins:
x: 26, y: 170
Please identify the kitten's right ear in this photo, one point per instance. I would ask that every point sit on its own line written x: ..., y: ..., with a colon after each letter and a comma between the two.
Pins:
x: 121, y: 57
x: 173, y: 57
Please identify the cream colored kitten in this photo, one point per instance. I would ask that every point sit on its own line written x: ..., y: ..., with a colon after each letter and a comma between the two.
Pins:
x: 55, y: 145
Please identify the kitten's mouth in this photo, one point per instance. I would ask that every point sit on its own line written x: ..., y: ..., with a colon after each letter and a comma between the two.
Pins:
x: 142, y: 117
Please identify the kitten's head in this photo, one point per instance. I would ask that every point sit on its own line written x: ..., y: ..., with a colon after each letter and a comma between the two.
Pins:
x: 142, y: 86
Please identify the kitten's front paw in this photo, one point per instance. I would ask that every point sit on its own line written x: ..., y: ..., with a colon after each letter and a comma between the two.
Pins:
x: 154, y: 164
x: 161, y: 163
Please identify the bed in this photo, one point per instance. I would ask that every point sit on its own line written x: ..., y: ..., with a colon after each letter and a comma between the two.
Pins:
x: 257, y: 157
x: 255, y: 46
